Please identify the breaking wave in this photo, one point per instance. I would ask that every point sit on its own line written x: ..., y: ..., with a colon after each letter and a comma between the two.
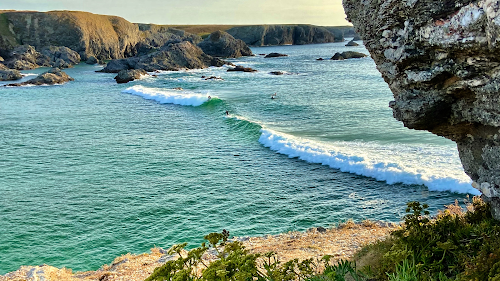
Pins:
x: 168, y: 96
x: 437, y: 168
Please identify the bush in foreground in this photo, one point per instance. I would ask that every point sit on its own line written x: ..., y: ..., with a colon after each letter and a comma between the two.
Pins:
x: 457, y: 245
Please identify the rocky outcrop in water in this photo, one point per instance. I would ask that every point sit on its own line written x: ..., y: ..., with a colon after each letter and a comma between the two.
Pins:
x: 348, y: 55
x: 9, y: 74
x: 51, y: 77
x: 25, y: 57
x: 351, y: 44
x: 125, y: 76
x: 222, y: 44
x: 264, y: 35
x: 242, y: 69
x: 183, y: 55
x: 156, y: 36
x: 275, y: 55
x: 440, y: 59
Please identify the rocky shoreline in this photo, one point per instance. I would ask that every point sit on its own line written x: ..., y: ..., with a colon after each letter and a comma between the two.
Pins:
x: 339, y: 242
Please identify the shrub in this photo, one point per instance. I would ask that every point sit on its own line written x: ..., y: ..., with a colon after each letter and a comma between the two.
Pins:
x: 457, y: 245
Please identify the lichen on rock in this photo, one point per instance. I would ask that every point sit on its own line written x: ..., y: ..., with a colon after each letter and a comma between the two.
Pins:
x: 440, y: 59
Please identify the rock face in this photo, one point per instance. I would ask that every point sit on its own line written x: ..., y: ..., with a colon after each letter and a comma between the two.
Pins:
x: 183, y: 55
x: 126, y: 76
x: 105, y: 37
x: 264, y: 35
x: 440, y: 59
x: 222, y: 44
x: 156, y: 36
x: 25, y: 57
x: 51, y: 77
x: 10, y: 75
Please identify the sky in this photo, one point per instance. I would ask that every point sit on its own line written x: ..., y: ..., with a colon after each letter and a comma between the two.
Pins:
x: 317, y: 12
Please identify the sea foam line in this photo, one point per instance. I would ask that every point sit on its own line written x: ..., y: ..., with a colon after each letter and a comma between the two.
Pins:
x: 433, y: 167
x: 168, y: 96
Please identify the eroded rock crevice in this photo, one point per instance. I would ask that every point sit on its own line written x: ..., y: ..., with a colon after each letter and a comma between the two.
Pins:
x: 440, y: 59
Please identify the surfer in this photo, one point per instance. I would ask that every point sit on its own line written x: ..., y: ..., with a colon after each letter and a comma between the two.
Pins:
x: 273, y: 96
x: 227, y: 113
x: 209, y: 97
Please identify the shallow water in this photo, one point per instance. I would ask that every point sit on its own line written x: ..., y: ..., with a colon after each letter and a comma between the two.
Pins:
x: 91, y: 170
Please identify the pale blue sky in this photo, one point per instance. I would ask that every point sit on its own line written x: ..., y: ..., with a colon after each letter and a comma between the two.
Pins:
x: 318, y: 12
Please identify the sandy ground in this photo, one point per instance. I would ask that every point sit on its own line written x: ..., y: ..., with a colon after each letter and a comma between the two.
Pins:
x: 340, y: 243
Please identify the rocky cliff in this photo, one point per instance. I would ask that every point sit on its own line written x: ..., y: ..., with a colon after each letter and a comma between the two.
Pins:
x: 440, y: 59
x: 222, y: 44
x: 105, y: 37
x: 263, y: 35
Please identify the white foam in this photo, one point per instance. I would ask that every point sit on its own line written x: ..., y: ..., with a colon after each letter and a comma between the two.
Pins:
x: 168, y: 96
x: 438, y: 168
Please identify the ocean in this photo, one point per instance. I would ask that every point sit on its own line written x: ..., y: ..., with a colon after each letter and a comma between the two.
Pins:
x: 91, y: 170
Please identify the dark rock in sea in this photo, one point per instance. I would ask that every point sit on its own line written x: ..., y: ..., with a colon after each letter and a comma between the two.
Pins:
x: 23, y: 57
x: 353, y: 55
x: 242, y: 68
x: 116, y: 66
x: 351, y: 44
x: 10, y: 74
x: 51, y: 77
x: 60, y: 57
x: 348, y: 55
x: 440, y: 60
x: 222, y: 44
x: 125, y: 76
x: 262, y: 54
x: 277, y: 72
x: 337, y: 56
x: 320, y: 59
x: 92, y: 60
x: 183, y: 55
x: 213, y: 78
x: 275, y: 55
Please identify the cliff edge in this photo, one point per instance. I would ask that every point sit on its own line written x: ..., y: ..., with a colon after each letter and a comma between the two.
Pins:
x: 440, y: 59
x: 105, y: 37
x: 265, y: 35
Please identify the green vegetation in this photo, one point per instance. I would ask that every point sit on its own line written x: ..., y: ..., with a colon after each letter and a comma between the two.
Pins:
x: 457, y: 245
x: 233, y: 262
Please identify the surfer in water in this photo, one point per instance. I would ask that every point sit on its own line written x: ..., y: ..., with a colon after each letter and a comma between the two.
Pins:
x: 273, y: 96
x: 209, y: 97
x: 227, y: 113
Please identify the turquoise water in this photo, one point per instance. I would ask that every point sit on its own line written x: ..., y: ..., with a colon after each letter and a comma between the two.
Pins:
x: 91, y: 170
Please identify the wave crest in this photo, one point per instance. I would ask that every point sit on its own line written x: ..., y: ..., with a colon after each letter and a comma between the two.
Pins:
x: 433, y: 167
x: 168, y: 96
